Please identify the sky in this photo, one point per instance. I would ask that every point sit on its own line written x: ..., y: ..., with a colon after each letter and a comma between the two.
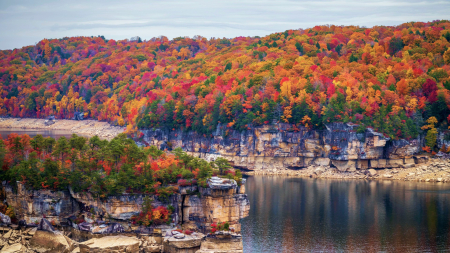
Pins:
x: 26, y: 22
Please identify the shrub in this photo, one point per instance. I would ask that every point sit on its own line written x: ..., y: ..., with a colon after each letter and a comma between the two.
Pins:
x: 152, y: 216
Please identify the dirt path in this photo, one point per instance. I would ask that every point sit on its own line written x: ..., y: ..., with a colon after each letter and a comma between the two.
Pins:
x: 83, y: 127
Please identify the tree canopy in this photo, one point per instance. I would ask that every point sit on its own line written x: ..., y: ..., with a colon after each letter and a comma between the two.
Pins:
x: 389, y: 78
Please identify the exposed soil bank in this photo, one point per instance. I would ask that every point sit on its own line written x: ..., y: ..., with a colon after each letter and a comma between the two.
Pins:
x: 433, y: 170
x: 83, y: 127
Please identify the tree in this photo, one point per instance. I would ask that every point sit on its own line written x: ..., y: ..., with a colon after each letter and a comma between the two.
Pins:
x: 2, y: 153
x: 62, y: 147
x: 222, y: 164
x: 47, y: 50
x: 431, y: 136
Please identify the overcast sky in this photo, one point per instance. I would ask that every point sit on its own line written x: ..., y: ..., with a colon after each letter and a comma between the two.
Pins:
x: 25, y: 22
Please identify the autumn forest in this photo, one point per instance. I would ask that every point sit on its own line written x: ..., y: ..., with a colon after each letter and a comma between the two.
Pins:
x: 394, y: 79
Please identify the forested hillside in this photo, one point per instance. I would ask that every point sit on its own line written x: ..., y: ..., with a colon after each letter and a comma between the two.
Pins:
x: 390, y: 78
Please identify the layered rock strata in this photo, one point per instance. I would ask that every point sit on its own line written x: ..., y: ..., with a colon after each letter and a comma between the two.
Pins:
x: 107, y: 226
x: 281, y: 146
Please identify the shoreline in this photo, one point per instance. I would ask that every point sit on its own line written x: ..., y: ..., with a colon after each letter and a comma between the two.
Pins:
x: 434, y: 170
x: 86, y: 127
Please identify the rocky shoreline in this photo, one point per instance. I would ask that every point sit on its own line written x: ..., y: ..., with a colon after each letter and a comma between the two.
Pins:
x: 87, y: 128
x: 429, y: 170
x: 64, y: 221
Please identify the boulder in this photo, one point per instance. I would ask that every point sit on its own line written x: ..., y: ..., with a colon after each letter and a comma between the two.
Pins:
x: 372, y: 172
x: 113, y: 228
x: 151, y: 249
x: 84, y: 226
x: 51, y: 242
x: 110, y: 244
x: 322, y: 161
x: 15, y: 248
x: 45, y: 225
x: 349, y: 165
x: 189, y: 243
x: 420, y: 159
x: 8, y: 234
x: 31, y: 231
x: 231, y: 245
x: 319, y: 170
x: 5, y: 218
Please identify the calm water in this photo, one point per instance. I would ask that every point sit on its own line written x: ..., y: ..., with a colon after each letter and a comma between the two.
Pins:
x: 297, y: 215
x: 4, y: 132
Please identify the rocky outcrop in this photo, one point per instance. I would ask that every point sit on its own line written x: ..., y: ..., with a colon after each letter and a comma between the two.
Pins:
x: 46, y: 241
x: 31, y: 206
x: 280, y: 146
x: 195, y: 208
x: 29, y: 240
x: 121, y: 207
x: 219, y: 203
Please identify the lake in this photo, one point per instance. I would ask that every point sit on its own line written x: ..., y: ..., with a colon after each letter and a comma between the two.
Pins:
x: 302, y: 214
x: 56, y: 134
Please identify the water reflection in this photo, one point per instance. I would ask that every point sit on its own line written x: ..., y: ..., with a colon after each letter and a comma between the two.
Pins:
x: 294, y: 214
x: 56, y: 134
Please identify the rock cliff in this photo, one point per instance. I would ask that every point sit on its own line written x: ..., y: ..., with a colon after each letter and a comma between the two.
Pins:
x: 194, y: 208
x: 280, y: 146
x: 199, y: 207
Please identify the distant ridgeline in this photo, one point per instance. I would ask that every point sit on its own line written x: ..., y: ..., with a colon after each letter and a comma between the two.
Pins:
x: 394, y: 79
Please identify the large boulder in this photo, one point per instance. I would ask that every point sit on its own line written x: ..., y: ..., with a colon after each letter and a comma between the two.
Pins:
x: 183, y: 243
x: 231, y: 245
x: 51, y: 242
x: 110, y: 244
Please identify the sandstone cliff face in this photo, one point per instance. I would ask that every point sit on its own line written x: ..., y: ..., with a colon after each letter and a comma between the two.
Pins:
x: 122, y: 207
x: 195, y: 207
x: 216, y: 205
x: 31, y: 206
x: 269, y: 147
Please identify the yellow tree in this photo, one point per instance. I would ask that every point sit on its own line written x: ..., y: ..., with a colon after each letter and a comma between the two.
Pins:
x: 432, y: 133
x: 47, y: 50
